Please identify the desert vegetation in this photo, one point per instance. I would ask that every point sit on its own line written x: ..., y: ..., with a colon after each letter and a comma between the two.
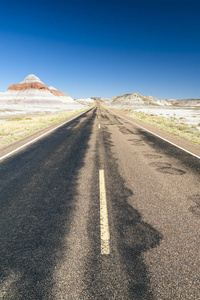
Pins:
x: 170, y: 125
x: 18, y: 127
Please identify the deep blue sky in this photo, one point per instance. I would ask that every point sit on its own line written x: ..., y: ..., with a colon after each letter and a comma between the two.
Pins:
x: 103, y: 48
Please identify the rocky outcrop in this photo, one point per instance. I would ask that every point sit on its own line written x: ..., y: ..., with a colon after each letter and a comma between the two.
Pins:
x: 99, y: 99
x: 135, y: 99
x: 85, y: 101
x: 186, y: 102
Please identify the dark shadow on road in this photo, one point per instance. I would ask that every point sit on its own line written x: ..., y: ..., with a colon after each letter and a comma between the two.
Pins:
x: 37, y: 207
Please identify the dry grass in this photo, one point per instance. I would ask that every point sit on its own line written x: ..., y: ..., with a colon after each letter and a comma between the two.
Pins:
x: 16, y: 128
x: 170, y: 125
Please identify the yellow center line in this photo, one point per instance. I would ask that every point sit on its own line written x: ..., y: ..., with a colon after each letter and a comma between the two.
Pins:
x: 104, y: 226
x: 99, y: 126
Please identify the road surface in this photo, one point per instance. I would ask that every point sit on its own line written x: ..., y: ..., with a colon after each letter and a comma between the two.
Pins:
x: 100, y: 209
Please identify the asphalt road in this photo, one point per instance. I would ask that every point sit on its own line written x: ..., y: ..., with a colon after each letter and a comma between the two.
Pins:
x: 100, y: 209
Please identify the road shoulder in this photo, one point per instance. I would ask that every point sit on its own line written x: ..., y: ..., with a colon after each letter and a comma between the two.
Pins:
x: 180, y: 142
x: 5, y: 149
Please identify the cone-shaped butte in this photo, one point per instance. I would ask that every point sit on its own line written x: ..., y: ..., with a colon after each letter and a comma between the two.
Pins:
x: 30, y: 82
x: 32, y: 92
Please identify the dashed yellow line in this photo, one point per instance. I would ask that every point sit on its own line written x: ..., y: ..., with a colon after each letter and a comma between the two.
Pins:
x: 104, y: 225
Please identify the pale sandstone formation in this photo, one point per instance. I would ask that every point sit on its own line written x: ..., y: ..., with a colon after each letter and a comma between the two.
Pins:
x: 135, y: 99
x: 55, y: 92
x: 64, y: 97
x: 32, y: 93
x: 86, y: 101
x: 32, y: 78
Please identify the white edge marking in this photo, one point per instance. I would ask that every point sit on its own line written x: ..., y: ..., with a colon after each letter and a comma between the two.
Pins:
x: 157, y: 136
x: 104, y: 226
x: 39, y: 137
x: 99, y: 126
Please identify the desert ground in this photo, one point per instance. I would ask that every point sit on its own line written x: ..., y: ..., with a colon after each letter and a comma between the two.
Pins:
x: 7, y: 112
x: 189, y: 115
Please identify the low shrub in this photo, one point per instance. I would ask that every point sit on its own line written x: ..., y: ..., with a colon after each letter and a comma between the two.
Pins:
x: 170, y: 125
x: 15, y: 119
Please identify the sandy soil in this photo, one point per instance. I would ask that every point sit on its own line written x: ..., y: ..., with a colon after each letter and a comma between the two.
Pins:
x: 189, y: 115
x: 10, y: 111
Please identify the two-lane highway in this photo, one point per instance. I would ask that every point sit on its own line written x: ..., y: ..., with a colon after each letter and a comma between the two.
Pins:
x: 100, y: 209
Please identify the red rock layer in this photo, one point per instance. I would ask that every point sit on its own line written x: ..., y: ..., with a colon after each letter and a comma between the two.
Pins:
x: 58, y: 93
x: 151, y: 98
x: 27, y: 86
x: 35, y: 85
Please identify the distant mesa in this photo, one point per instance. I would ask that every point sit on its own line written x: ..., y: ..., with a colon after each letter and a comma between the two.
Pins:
x: 85, y: 101
x: 91, y: 100
x: 137, y: 100
x: 186, y: 102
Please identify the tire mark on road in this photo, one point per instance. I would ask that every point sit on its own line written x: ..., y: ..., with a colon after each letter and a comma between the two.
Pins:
x: 195, y: 209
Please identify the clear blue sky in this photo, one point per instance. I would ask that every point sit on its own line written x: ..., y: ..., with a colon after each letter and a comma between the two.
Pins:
x: 103, y: 48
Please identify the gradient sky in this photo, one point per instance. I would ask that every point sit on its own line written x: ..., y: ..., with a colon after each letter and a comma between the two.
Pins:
x: 103, y: 48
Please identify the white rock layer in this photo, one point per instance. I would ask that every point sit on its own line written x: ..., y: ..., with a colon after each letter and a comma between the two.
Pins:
x: 32, y: 78
x: 32, y: 91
